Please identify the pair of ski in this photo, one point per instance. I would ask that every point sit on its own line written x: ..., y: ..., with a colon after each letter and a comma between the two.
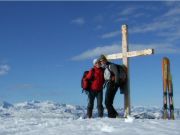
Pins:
x: 168, y: 113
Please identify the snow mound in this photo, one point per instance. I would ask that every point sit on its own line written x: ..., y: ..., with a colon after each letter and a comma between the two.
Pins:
x: 129, y: 119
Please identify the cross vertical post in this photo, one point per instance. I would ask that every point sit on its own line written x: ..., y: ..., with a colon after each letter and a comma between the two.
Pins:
x: 125, y: 59
x: 125, y: 55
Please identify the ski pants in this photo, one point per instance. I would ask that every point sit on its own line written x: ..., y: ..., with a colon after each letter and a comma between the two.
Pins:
x: 111, y: 90
x: 91, y: 97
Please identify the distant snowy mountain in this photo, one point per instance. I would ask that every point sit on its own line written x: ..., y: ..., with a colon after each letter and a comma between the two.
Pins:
x: 5, y: 105
x: 56, y: 110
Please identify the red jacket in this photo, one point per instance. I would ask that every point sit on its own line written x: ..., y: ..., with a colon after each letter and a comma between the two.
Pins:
x: 98, y: 78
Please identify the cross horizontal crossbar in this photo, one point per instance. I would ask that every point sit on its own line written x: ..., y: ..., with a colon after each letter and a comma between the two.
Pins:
x: 130, y: 54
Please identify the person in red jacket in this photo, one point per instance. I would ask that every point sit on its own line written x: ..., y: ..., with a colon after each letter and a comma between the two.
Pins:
x: 96, y: 74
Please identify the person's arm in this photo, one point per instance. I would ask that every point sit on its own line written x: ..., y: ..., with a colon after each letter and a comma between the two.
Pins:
x: 89, y: 75
x: 114, y: 69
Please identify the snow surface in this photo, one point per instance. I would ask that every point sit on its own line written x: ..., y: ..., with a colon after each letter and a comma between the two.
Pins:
x: 49, y: 118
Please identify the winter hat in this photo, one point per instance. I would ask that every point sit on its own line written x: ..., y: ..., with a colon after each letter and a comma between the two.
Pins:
x: 95, y: 61
x: 102, y: 57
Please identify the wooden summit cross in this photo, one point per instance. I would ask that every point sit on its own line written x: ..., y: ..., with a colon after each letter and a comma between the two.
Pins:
x: 125, y: 57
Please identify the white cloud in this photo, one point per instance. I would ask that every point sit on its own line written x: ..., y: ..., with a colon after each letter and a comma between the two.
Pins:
x: 165, y: 27
x: 111, y: 34
x: 128, y: 11
x: 78, y: 21
x: 172, y: 12
x: 170, y: 3
x: 160, y: 48
x: 97, y: 51
x: 159, y: 25
x: 4, y: 69
x: 124, y: 14
x: 165, y: 22
x: 139, y: 15
x: 168, y: 22
x: 170, y: 36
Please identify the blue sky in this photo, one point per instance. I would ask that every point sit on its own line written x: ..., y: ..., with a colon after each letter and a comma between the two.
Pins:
x: 46, y: 46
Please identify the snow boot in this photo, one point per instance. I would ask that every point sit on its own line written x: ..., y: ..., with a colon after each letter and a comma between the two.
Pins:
x: 89, y: 113
x: 100, y: 112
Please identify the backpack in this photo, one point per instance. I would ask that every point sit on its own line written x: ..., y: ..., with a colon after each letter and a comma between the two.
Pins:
x: 122, y: 73
x: 86, y: 83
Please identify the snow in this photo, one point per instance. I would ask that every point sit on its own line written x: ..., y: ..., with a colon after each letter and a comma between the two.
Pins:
x: 49, y: 118
x: 129, y: 119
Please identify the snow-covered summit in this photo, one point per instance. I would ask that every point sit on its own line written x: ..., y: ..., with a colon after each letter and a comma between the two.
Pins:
x: 50, y: 118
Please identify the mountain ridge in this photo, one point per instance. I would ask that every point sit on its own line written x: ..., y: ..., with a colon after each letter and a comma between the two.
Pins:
x: 52, y: 109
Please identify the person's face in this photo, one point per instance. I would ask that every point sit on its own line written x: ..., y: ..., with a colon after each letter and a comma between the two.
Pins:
x: 98, y: 64
x: 103, y: 63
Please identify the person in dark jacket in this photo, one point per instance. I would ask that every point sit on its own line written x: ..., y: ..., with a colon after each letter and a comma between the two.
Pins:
x: 111, y: 76
x: 96, y: 90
